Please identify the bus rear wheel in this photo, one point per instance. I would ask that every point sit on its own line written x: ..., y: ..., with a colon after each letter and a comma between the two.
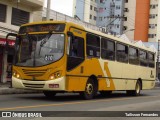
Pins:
x: 137, y: 90
x: 90, y: 90
x: 49, y: 94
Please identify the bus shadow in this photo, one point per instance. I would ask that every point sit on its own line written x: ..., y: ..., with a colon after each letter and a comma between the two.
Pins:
x: 75, y: 97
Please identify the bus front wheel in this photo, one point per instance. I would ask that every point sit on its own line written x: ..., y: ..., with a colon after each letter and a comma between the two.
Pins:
x: 90, y: 90
x: 137, y: 90
x: 49, y: 94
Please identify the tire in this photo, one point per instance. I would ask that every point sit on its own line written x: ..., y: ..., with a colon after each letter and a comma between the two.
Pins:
x: 90, y: 90
x: 49, y: 94
x: 137, y: 90
x: 105, y: 93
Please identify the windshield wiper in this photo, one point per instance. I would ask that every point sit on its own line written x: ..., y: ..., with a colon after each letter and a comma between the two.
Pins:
x: 46, y: 39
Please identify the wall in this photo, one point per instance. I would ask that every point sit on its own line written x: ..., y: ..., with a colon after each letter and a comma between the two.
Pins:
x: 142, y: 21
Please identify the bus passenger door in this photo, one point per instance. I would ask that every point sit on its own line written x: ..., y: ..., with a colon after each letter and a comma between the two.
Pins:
x: 76, y: 53
x: 74, y: 60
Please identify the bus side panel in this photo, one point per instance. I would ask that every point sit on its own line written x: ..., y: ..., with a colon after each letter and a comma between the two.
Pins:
x: 75, y: 83
x: 129, y: 72
x: 115, y: 69
x: 90, y: 67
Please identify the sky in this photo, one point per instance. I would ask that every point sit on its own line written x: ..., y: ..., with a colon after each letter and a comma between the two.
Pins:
x: 62, y: 6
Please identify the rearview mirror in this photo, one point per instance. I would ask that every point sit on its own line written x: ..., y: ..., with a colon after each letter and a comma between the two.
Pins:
x: 8, y: 35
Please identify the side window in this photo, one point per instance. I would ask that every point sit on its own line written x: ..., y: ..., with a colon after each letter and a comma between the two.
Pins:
x: 93, y: 45
x: 151, y: 62
x: 143, y: 58
x: 77, y: 47
x: 122, y: 53
x: 107, y: 49
x: 76, y: 54
x: 133, y: 56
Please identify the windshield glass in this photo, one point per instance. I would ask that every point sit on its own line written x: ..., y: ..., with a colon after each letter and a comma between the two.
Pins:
x: 39, y: 50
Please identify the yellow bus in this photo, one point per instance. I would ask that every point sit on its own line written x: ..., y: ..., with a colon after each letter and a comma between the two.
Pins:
x: 59, y: 56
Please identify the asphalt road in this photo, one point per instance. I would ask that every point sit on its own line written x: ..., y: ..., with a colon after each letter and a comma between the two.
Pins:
x: 118, y: 101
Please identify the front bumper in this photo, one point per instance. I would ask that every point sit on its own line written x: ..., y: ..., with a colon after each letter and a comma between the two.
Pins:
x: 39, y: 85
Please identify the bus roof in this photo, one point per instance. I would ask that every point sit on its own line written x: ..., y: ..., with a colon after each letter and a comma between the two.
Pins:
x: 94, y: 32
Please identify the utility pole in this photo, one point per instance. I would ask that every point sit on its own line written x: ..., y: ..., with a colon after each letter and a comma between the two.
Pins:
x: 48, y: 9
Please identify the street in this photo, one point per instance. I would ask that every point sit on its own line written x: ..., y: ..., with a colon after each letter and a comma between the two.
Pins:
x: 118, y: 101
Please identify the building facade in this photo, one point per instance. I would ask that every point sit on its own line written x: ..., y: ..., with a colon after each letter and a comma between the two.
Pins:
x: 107, y: 14
x: 13, y: 14
x: 85, y: 10
x: 138, y: 19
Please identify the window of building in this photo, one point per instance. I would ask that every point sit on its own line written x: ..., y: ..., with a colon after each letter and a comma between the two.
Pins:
x: 122, y: 53
x: 151, y: 35
x: 107, y: 49
x: 125, y: 18
x: 153, y: 6
x: 95, y: 9
x: 95, y: 18
x: 143, y: 58
x: 117, y: 25
x: 152, y: 16
x: 90, y: 7
x: 90, y: 17
x: 100, y: 18
x: 19, y: 17
x: 118, y: 7
x: 151, y: 62
x: 101, y: 1
x: 3, y: 10
x: 126, y: 1
x: 133, y: 56
x: 93, y: 45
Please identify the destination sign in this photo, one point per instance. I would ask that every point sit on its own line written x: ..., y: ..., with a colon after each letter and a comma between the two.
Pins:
x: 42, y: 28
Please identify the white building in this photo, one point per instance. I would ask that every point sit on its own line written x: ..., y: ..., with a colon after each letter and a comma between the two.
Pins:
x: 13, y: 13
x: 86, y: 10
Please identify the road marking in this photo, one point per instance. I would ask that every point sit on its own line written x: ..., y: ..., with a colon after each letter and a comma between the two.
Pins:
x: 72, y: 103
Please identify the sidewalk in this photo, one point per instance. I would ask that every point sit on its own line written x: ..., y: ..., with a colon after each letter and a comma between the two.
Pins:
x: 5, y: 88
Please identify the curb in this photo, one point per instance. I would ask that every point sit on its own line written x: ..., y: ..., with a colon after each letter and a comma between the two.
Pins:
x: 17, y: 91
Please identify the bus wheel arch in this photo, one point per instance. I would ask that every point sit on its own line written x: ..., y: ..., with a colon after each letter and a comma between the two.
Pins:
x: 91, y: 88
x: 140, y: 80
x: 137, y: 90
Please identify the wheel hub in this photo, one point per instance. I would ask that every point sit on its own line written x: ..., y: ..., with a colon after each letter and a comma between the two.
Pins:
x: 89, y: 88
x: 137, y: 88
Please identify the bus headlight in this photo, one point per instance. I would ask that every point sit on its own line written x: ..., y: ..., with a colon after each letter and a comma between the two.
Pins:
x: 15, y: 74
x: 55, y: 75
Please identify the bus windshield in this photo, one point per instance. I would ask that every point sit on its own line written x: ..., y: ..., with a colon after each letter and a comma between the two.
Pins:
x: 39, y: 49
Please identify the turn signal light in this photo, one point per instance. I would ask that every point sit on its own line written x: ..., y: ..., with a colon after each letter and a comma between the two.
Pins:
x: 55, y: 75
x: 15, y: 74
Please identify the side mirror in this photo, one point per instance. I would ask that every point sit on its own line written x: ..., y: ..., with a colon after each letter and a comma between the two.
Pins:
x: 12, y: 35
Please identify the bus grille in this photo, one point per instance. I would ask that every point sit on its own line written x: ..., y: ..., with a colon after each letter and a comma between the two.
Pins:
x: 28, y: 85
x: 35, y: 73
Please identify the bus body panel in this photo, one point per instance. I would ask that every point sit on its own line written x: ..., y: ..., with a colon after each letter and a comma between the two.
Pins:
x: 58, y: 84
x: 111, y: 75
